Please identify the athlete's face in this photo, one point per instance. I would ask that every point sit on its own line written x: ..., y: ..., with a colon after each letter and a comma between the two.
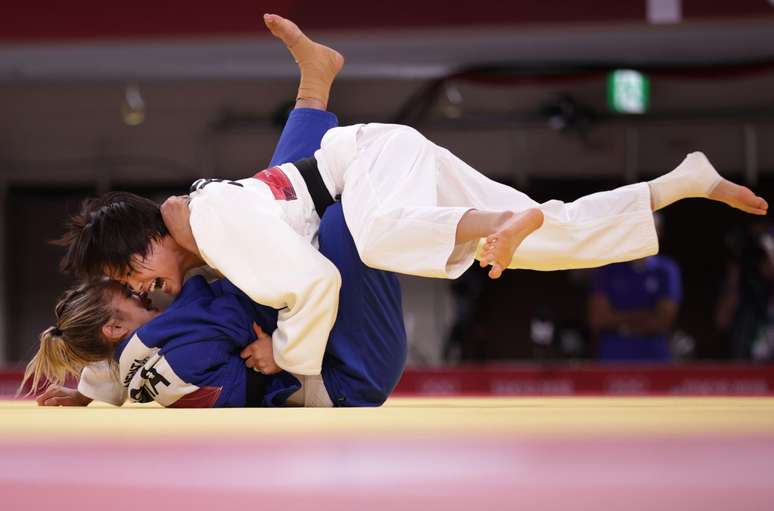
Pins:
x: 133, y: 310
x: 160, y: 270
x: 128, y: 312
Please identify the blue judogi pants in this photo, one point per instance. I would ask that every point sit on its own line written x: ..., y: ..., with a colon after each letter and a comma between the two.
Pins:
x: 302, y: 134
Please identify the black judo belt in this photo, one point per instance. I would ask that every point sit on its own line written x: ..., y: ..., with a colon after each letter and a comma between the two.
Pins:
x: 310, y: 172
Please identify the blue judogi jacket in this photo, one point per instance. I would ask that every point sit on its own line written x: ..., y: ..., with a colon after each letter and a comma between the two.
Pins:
x: 195, y: 345
x: 189, y: 355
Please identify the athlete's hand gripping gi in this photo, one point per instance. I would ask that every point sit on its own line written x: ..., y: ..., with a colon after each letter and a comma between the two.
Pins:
x: 259, y: 355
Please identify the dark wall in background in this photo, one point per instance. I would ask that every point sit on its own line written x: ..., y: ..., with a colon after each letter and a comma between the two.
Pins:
x: 34, y: 217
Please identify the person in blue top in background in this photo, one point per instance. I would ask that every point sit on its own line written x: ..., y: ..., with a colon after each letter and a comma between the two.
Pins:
x: 633, y: 307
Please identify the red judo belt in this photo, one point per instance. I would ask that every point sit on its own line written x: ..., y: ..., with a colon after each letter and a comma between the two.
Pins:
x: 278, y: 183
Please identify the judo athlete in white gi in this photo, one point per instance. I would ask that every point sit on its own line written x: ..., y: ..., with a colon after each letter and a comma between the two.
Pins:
x: 415, y: 208
x: 411, y: 206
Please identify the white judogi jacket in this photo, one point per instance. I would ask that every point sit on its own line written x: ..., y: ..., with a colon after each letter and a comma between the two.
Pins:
x: 261, y: 234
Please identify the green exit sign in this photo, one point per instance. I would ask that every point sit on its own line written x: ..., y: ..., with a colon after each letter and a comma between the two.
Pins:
x: 628, y: 91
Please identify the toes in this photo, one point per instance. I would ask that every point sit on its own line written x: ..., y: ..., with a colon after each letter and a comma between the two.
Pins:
x: 486, y: 260
x: 756, y: 206
x: 496, y: 271
x: 487, y: 253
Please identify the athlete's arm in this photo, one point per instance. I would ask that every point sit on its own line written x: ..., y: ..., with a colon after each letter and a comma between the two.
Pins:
x: 250, y: 244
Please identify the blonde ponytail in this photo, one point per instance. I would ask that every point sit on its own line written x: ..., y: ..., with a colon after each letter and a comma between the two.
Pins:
x: 52, y: 364
x: 77, y: 339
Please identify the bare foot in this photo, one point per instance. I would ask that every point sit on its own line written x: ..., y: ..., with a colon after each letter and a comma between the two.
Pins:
x: 502, y: 244
x: 739, y: 197
x: 319, y: 64
x: 696, y: 177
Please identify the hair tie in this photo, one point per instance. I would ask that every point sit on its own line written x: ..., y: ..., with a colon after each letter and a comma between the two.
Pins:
x: 55, y: 331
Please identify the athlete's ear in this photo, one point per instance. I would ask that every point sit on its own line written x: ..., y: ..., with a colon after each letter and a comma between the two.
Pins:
x: 114, y: 330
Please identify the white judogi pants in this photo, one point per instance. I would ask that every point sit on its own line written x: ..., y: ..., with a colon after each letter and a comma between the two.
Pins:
x: 403, y: 197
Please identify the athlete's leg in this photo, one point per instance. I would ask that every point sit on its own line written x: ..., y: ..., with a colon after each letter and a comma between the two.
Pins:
x: 309, y: 121
x: 319, y: 64
x: 617, y: 225
x: 405, y: 198
x: 696, y: 177
x: 406, y: 201
x: 600, y: 228
x: 366, y: 351
x: 301, y: 135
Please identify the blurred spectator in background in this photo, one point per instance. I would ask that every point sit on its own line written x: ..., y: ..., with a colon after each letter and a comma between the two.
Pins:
x: 745, y: 311
x: 633, y: 307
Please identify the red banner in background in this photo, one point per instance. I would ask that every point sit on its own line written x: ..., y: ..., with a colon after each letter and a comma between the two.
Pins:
x: 565, y: 380
x: 47, y: 20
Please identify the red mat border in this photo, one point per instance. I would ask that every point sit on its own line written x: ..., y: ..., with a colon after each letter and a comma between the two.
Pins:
x: 564, y: 380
